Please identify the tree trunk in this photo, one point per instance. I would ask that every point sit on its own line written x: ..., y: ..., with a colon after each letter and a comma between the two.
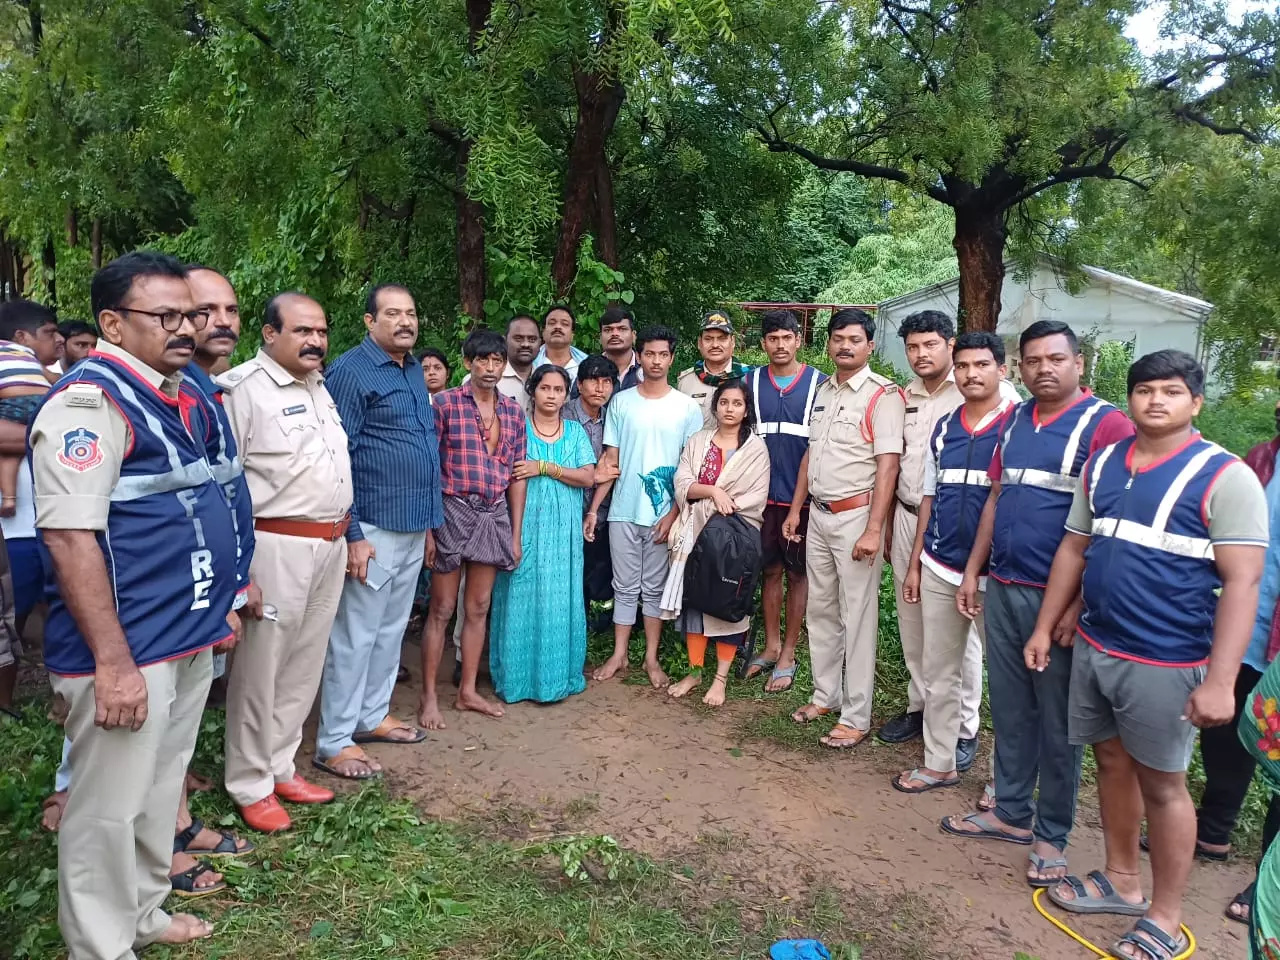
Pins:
x: 95, y: 243
x: 470, y: 243
x: 7, y: 283
x: 49, y: 260
x: 599, y: 100
x: 606, y: 221
x: 979, y: 241
x: 73, y: 228
x: 36, y: 23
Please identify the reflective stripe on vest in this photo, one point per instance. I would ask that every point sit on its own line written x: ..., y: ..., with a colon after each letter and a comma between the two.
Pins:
x: 1156, y: 536
x: 974, y: 478
x: 136, y: 486
x: 1063, y: 483
x: 1065, y: 480
x: 765, y: 427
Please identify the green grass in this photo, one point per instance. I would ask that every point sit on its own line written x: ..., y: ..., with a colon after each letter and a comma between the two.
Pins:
x: 369, y: 877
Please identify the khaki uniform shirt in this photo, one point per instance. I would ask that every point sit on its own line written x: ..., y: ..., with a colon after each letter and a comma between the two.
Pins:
x: 844, y: 442
x: 511, y: 386
x: 689, y: 384
x: 923, y: 412
x: 291, y: 441
x: 68, y: 499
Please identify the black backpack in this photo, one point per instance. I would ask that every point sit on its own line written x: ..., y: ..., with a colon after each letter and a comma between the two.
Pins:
x: 722, y: 572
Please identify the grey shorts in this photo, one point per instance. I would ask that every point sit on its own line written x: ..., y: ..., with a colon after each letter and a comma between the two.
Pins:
x: 1141, y: 703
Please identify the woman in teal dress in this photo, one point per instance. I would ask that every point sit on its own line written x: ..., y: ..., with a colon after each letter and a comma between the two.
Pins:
x: 538, y: 622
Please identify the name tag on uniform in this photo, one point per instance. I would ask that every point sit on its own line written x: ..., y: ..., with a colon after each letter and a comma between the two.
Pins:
x: 290, y: 411
x: 819, y: 409
x: 699, y: 396
x: 83, y: 395
x: 912, y: 409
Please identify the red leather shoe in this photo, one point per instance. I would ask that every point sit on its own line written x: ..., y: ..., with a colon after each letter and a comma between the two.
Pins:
x: 298, y: 790
x: 266, y: 816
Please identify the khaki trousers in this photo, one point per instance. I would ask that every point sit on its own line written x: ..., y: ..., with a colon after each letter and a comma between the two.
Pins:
x: 275, y: 673
x: 842, y: 615
x: 948, y: 640
x: 115, y: 843
x: 912, y: 631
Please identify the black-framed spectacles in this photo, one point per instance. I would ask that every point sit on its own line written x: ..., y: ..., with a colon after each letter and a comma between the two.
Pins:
x: 171, y: 320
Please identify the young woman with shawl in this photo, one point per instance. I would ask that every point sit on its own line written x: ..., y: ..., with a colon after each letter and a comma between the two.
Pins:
x: 722, y: 470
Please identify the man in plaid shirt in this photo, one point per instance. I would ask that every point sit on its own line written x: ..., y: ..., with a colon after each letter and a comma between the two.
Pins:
x: 481, y: 434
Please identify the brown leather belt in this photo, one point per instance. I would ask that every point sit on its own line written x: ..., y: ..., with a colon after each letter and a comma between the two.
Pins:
x: 848, y: 503
x: 312, y: 529
x: 914, y: 511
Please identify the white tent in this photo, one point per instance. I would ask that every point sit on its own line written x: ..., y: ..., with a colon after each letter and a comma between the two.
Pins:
x: 1109, y: 307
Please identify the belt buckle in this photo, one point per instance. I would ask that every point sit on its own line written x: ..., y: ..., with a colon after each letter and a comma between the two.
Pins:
x: 335, y: 529
x: 825, y: 508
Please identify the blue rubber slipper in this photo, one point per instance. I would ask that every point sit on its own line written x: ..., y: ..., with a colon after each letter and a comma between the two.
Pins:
x: 799, y: 950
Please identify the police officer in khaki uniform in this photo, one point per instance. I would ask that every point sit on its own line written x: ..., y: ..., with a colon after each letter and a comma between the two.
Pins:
x: 929, y: 337
x: 294, y: 452
x: 850, y: 472
x: 715, y: 343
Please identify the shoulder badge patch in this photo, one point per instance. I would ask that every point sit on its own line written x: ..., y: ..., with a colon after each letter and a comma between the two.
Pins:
x: 80, y: 450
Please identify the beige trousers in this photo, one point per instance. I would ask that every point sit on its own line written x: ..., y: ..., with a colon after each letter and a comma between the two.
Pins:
x: 277, y: 667
x: 912, y: 631
x: 115, y: 844
x: 949, y: 637
x: 842, y: 615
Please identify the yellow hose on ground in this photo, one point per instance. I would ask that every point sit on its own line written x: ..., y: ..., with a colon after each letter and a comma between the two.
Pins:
x: 1039, y: 895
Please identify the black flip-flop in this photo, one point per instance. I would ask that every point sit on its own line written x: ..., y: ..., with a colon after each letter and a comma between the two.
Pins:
x: 986, y: 833
x: 227, y: 845
x: 1242, y: 899
x: 335, y: 772
x: 184, y: 883
x: 930, y: 783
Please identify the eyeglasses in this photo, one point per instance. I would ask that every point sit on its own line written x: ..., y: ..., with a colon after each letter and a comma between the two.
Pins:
x: 171, y: 320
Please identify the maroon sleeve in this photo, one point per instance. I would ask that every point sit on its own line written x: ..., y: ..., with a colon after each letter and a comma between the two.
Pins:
x: 1115, y: 426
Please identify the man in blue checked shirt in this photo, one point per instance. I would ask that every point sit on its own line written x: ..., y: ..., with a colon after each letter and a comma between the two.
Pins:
x: 395, y: 467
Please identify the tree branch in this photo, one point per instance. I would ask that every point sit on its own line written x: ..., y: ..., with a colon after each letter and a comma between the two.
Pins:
x: 777, y: 144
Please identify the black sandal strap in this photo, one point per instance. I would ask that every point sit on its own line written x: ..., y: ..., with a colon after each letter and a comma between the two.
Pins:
x: 1152, y: 941
x: 1077, y: 886
x: 186, y: 880
x: 184, y: 839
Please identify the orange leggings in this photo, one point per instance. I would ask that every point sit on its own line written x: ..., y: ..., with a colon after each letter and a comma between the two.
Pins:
x: 697, y: 645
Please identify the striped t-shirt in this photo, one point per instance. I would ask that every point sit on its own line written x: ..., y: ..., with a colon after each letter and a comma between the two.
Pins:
x: 19, y: 367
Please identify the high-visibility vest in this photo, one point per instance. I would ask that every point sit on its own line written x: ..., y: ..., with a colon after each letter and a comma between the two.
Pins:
x: 782, y: 419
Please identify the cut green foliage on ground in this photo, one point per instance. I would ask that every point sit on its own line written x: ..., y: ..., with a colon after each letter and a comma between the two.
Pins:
x: 368, y: 877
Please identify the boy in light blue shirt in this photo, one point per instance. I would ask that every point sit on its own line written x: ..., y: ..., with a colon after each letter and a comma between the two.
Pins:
x: 644, y: 433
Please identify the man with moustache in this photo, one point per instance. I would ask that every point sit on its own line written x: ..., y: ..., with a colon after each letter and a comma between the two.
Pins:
x: 557, y: 342
x: 122, y: 476
x: 953, y: 493
x: 295, y: 458
x: 617, y: 342
x: 715, y: 344
x: 849, y: 472
x: 1034, y: 474
x: 523, y: 341
x: 213, y: 293
x: 929, y: 337
x: 384, y: 406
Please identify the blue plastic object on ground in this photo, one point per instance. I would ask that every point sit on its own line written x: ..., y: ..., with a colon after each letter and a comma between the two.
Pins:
x: 799, y: 950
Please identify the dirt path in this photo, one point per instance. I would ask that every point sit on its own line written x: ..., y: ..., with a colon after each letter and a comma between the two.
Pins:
x: 661, y: 776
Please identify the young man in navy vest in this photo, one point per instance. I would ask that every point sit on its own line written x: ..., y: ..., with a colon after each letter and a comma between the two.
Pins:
x: 1034, y: 474
x: 783, y: 394
x: 122, y: 473
x: 1165, y: 543
x: 954, y: 490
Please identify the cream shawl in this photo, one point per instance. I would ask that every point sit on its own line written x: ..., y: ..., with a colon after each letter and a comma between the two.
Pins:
x: 745, y: 478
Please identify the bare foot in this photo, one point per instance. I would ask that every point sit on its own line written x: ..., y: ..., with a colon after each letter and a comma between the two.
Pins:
x: 477, y: 703
x: 610, y: 668
x: 429, y: 715
x: 184, y: 928
x: 198, y: 784
x: 677, y: 690
x: 715, y: 696
x: 54, y: 805
x: 657, y: 678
